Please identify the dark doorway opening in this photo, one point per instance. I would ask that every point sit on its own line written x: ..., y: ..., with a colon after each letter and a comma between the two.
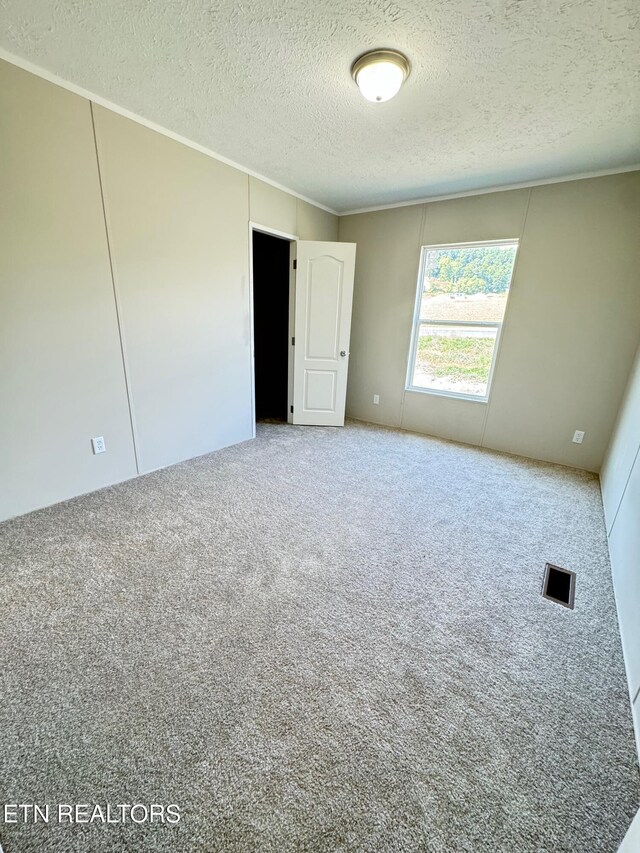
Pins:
x: 271, y: 325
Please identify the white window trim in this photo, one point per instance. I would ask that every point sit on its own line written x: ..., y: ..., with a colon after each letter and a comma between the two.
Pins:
x: 419, y: 321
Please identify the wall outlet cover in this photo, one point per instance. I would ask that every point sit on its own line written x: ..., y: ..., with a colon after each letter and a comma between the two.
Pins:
x: 578, y: 436
x: 98, y: 444
x: 376, y: 399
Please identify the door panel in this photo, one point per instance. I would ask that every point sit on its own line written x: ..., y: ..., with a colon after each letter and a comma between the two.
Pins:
x: 320, y: 390
x: 324, y: 307
x: 324, y: 292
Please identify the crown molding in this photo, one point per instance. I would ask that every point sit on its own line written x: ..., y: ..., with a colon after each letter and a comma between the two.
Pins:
x: 497, y: 189
x: 43, y: 73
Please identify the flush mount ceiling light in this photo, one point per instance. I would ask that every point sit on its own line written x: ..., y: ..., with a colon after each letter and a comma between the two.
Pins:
x: 380, y: 73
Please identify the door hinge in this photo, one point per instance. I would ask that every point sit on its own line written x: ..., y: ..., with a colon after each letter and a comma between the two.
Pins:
x: 295, y: 263
x: 291, y: 409
x: 293, y: 342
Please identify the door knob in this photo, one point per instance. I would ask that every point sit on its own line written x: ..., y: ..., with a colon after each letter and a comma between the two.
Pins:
x: 343, y: 353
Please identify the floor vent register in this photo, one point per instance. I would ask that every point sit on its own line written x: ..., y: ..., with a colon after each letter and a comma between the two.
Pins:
x: 559, y: 585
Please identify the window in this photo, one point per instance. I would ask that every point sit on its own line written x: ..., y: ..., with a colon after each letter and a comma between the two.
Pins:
x: 460, y: 305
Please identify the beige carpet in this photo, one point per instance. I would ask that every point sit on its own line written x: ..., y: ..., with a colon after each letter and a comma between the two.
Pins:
x: 323, y: 640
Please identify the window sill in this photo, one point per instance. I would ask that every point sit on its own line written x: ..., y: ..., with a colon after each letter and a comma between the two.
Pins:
x: 452, y: 395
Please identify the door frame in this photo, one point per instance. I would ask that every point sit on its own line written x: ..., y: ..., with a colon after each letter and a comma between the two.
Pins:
x: 293, y: 245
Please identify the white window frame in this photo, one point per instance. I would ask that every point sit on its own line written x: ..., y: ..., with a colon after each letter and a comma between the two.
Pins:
x: 419, y: 321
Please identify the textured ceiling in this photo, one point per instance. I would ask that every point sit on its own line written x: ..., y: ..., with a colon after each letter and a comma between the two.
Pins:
x: 502, y: 91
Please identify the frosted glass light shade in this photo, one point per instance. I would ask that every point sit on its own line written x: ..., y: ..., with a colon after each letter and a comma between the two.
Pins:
x: 380, y: 74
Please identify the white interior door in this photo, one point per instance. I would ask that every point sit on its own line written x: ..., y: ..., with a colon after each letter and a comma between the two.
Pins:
x: 323, y: 296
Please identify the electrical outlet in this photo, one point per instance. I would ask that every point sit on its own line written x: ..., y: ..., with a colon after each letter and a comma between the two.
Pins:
x: 98, y: 444
x: 376, y: 399
x: 578, y: 436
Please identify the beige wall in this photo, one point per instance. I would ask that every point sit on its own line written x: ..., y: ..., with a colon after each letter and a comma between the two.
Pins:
x: 620, y: 481
x: 280, y: 211
x: 178, y: 229
x: 571, y: 327
x: 623, y: 448
x: 61, y: 373
x: 177, y: 223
